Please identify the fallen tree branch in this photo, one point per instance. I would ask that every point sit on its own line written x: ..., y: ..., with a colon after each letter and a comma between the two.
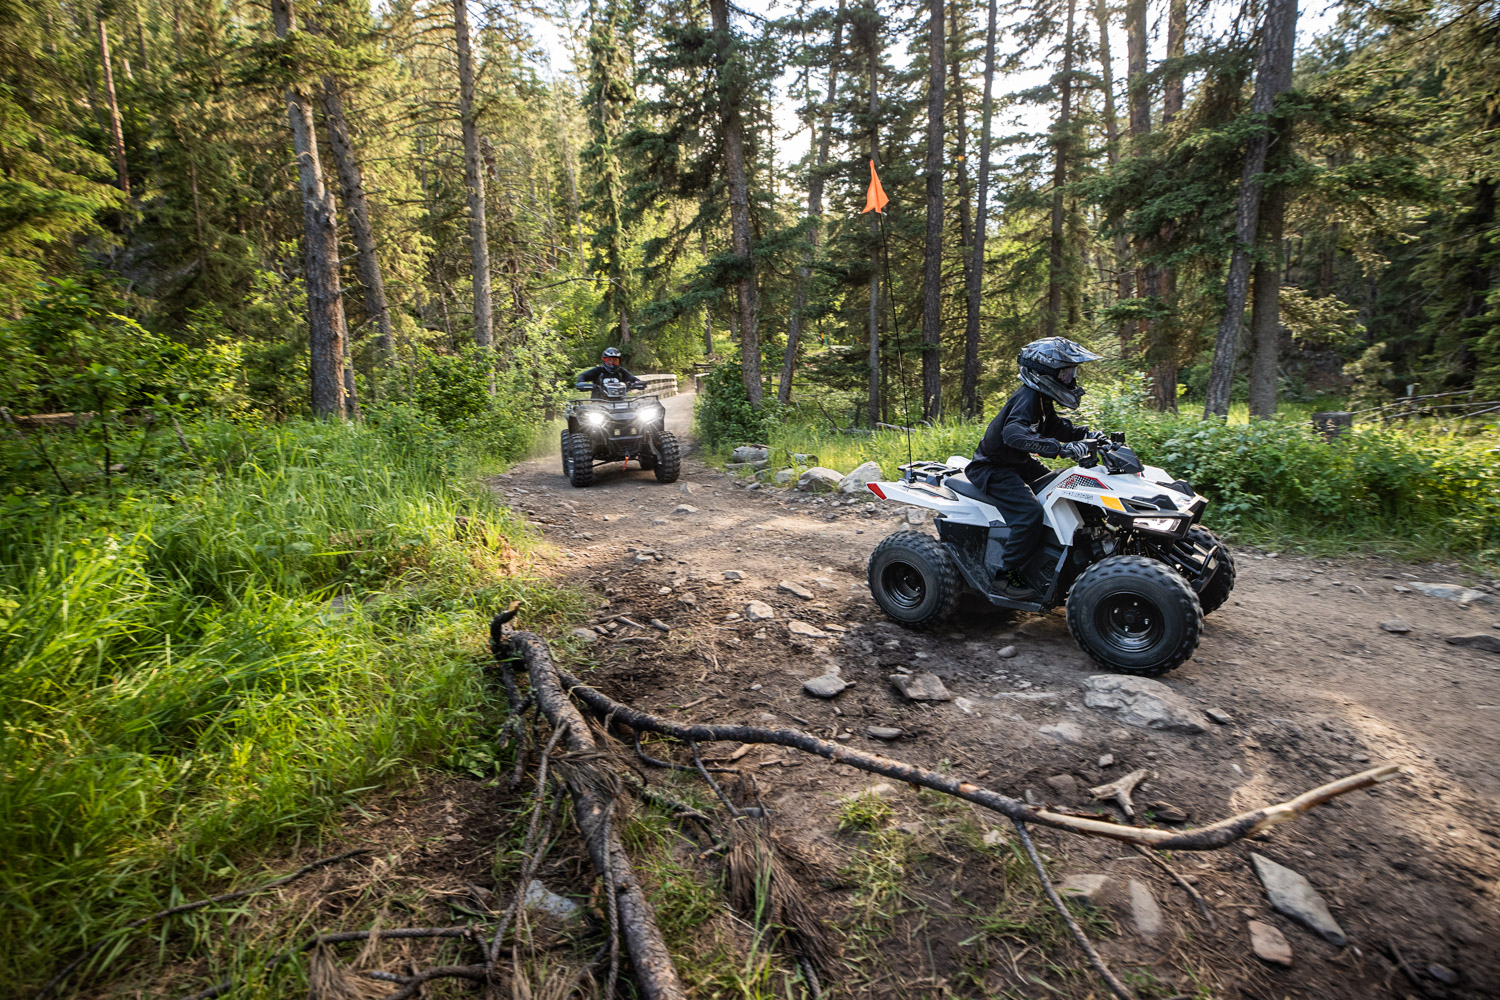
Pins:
x: 593, y: 804
x: 1207, y: 838
x: 173, y: 911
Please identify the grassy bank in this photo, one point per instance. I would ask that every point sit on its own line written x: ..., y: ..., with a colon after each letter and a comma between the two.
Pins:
x: 222, y: 645
x: 1413, y: 491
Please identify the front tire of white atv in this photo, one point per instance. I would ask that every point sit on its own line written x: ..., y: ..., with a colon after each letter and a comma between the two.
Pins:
x: 581, y: 470
x: 669, y: 465
x: 1134, y: 615
x: 913, y: 579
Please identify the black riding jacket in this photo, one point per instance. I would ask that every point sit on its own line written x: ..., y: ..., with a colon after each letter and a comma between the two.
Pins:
x: 1027, y: 425
x: 599, y: 373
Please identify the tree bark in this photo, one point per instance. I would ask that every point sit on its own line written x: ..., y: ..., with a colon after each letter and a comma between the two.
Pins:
x: 1164, y: 365
x: 325, y: 307
x: 932, y: 256
x: 116, y: 130
x: 1061, y: 150
x: 1171, y: 91
x: 1273, y: 75
x: 708, y: 313
x: 741, y: 241
x: 484, y: 316
x: 1265, y: 306
x: 1138, y: 93
x: 960, y: 113
x: 969, y: 390
x: 814, y: 212
x: 1124, y: 276
x: 357, y: 206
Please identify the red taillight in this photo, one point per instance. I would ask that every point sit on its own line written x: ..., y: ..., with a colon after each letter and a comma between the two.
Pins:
x: 875, y: 489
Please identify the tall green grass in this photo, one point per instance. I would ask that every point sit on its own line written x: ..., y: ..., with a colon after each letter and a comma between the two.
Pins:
x: 219, y: 649
x: 1417, y: 490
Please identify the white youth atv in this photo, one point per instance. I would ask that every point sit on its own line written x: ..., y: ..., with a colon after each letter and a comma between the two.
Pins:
x: 1123, y: 548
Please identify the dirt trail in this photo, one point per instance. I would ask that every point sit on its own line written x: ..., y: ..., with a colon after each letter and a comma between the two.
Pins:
x: 1298, y: 659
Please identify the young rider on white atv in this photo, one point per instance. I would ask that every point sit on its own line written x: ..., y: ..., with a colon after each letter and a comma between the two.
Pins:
x: 1028, y: 425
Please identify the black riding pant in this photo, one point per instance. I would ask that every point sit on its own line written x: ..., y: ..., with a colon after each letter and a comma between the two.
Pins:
x: 1008, y: 487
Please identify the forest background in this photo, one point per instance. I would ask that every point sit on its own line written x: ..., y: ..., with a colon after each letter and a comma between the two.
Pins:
x: 290, y: 278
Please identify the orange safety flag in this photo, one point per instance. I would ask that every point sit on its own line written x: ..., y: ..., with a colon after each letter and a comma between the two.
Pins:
x: 875, y: 199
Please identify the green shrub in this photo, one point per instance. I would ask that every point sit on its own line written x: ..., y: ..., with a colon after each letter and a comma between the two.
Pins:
x: 723, y: 411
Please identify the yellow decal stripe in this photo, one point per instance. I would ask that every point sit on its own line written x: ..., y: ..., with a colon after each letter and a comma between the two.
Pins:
x: 1112, y: 503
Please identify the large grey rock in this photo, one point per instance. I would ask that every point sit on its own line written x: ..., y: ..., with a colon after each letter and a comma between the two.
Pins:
x: 785, y: 476
x: 819, y: 480
x: 854, y: 482
x: 750, y: 453
x: 825, y: 686
x: 1294, y: 896
x: 1140, y: 701
x: 1453, y: 592
x: 759, y: 611
x: 1477, y: 640
x: 921, y: 687
x: 1269, y: 944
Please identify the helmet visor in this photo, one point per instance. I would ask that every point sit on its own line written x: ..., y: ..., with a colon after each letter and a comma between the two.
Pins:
x: 611, y: 362
x: 1065, y: 375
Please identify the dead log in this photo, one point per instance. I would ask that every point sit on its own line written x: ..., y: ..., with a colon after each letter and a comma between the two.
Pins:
x: 594, y: 791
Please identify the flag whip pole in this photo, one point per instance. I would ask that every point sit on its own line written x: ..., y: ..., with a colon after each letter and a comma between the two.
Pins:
x: 875, y: 201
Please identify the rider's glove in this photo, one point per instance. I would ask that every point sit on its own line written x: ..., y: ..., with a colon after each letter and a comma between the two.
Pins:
x: 1095, y: 435
x: 583, y: 385
x: 1076, y: 450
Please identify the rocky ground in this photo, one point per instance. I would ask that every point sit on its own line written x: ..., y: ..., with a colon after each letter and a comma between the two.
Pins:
x: 1314, y: 669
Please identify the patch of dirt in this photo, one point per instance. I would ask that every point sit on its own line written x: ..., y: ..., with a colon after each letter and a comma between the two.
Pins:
x: 1297, y: 659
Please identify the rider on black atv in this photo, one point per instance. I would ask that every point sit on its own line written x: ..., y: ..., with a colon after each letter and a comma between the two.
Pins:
x: 609, y: 367
x: 1004, y: 466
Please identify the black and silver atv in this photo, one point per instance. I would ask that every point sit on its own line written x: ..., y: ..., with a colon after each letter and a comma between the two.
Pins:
x: 616, y: 427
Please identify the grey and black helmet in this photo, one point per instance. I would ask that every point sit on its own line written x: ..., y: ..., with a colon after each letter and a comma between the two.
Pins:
x: 1050, y: 367
x: 611, y: 356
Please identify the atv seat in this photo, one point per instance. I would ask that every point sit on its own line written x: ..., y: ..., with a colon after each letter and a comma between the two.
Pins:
x: 1042, y: 482
x: 960, y: 484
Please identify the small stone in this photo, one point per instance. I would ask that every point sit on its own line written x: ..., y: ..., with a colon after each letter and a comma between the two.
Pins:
x: 1220, y: 716
x: 660, y: 625
x: 659, y: 521
x: 1453, y: 592
x: 1006, y: 652
x: 1144, y: 910
x: 993, y: 838
x: 1166, y: 812
x: 916, y: 517
x: 644, y: 557
x: 1291, y: 894
x: 586, y: 634
x: 1091, y: 889
x: 687, y: 599
x: 806, y: 630
x: 1477, y: 640
x: 921, y: 687
x: 753, y: 486
x: 684, y: 508
x: 1355, y: 589
x: 1443, y: 974
x: 1269, y: 944
x: 1067, y: 732
x: 1107, y: 760
x: 886, y: 733
x: 966, y: 706
x: 663, y: 590
x: 686, y: 488
x: 733, y: 574
x: 759, y: 611
x: 1065, y: 785
x: 1396, y: 625
x: 796, y: 589
x: 538, y: 897
x: 825, y: 686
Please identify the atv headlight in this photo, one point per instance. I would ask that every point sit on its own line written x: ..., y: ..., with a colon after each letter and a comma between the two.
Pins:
x: 1161, y: 525
x: 651, y: 413
x: 594, y: 418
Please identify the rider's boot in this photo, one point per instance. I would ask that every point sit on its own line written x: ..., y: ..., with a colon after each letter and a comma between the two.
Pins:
x: 1011, y: 584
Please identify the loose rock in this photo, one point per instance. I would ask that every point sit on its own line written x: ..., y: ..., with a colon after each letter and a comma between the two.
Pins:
x: 1140, y: 701
x: 1006, y: 652
x: 586, y: 634
x: 819, y: 480
x: 1443, y: 974
x: 733, y: 574
x: 795, y: 588
x: 750, y: 453
x: 921, y: 687
x: 1065, y: 785
x: 805, y: 630
x: 1477, y: 640
x: 825, y: 686
x: 1067, y: 732
x: 1144, y: 910
x: 854, y: 482
x: 1269, y: 944
x: 785, y: 476
x: 1453, y: 592
x: 1396, y: 625
x: 1107, y: 760
x: 916, y: 517
x: 1220, y: 716
x: 759, y: 611
x: 886, y: 733
x: 543, y: 900
x: 1091, y: 889
x: 684, y: 508
x: 1294, y: 896
x: 966, y: 706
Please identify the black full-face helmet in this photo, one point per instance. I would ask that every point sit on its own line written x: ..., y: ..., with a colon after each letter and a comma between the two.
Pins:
x: 1050, y: 366
x: 611, y: 357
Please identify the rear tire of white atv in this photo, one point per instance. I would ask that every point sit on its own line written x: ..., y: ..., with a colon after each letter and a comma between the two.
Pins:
x: 1216, y: 591
x: 581, y: 472
x: 669, y: 465
x: 913, y: 579
x: 1134, y: 615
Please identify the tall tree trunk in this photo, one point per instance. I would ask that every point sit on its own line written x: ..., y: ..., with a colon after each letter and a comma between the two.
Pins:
x: 1165, y: 347
x: 739, y: 201
x: 961, y: 151
x: 814, y: 212
x: 325, y: 306
x: 351, y: 180
x: 1273, y: 75
x: 116, y: 131
x: 1138, y: 96
x: 484, y: 315
x: 969, y: 390
x: 1123, y: 274
x: 1061, y: 151
x: 708, y: 313
x: 1265, y: 304
x: 932, y: 255
x: 874, y: 320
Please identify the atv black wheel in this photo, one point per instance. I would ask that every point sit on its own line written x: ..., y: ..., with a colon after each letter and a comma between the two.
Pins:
x: 913, y: 579
x: 1134, y: 615
x: 669, y: 466
x: 1216, y: 591
x: 581, y: 469
x: 567, y: 454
